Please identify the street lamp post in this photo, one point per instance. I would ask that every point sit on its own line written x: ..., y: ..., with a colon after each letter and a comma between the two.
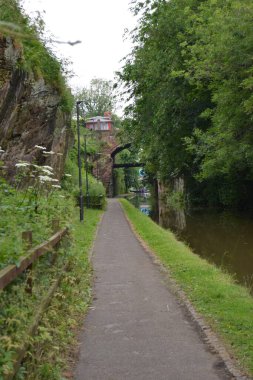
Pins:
x: 79, y: 161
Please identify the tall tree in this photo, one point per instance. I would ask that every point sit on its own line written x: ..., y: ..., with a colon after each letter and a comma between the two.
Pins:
x: 221, y: 60
x: 97, y: 98
x: 165, y: 105
x: 189, y: 79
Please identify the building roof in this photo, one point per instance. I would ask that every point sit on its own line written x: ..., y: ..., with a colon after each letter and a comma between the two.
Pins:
x: 98, y: 118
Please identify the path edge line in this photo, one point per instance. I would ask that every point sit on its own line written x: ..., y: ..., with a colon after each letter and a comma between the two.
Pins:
x: 207, y: 334
x: 91, y: 250
x: 72, y: 365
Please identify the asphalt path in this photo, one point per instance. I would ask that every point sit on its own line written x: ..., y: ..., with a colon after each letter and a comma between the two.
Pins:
x: 136, y: 329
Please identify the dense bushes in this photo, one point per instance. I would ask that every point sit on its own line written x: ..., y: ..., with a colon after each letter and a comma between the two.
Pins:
x: 29, y: 209
x: 71, y: 181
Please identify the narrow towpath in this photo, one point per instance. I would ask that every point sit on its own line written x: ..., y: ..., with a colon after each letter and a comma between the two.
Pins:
x: 136, y: 328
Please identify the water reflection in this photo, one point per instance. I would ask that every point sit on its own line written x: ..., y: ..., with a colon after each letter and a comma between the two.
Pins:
x: 223, y: 238
x: 142, y: 202
x: 169, y: 218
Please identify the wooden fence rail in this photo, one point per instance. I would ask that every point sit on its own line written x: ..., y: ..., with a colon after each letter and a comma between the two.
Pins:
x: 8, y: 274
x: 22, y: 351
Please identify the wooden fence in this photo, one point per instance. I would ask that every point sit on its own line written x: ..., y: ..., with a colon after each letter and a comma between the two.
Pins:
x: 11, y: 272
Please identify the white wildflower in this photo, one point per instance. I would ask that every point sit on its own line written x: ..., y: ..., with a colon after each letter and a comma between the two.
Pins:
x: 1, y: 150
x: 22, y: 164
x: 45, y: 178
x: 47, y: 167
x: 49, y: 153
x: 55, y: 180
x: 67, y: 175
x: 57, y: 186
x: 48, y: 172
x: 40, y: 147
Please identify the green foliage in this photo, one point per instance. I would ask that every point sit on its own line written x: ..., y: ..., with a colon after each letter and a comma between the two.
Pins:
x: 50, y: 349
x: 117, y: 121
x: 28, y: 210
x: 31, y: 203
x: 98, y: 98
x: 119, y: 181
x: 221, y: 60
x: 97, y: 196
x: 127, y: 177
x: 189, y: 82
x: 166, y: 107
x: 175, y: 200
x: 71, y: 179
x: 33, y: 200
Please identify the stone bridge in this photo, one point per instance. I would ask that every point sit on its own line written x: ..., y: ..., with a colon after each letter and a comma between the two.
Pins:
x: 104, y: 162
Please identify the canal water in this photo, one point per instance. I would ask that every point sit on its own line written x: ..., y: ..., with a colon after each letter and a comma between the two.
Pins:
x: 223, y: 238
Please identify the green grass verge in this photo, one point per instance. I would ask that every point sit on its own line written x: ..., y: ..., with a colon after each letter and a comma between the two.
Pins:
x: 226, y: 306
x: 57, y: 338
x: 51, y: 350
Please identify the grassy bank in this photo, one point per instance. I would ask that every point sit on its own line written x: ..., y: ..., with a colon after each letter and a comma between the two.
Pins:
x: 226, y: 306
x: 51, y: 350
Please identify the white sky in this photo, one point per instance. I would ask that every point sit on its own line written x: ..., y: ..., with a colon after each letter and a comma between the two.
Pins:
x: 99, y: 24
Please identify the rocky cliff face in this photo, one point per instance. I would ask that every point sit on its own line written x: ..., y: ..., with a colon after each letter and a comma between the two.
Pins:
x: 30, y: 115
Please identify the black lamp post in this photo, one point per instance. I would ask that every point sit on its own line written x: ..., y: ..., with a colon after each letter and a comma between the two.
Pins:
x: 79, y: 161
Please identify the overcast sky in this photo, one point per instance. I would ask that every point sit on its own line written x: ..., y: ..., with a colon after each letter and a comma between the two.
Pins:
x: 99, y: 24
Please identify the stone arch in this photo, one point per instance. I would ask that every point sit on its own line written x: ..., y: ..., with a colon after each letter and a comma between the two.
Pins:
x: 119, y: 149
x: 107, y: 176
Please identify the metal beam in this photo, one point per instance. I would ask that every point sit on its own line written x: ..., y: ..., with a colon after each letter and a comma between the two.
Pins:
x: 119, y: 149
x: 129, y: 165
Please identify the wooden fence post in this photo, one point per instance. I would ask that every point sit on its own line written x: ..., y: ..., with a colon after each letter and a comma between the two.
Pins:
x: 55, y: 228
x: 55, y: 225
x: 27, y: 240
x: 27, y: 237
